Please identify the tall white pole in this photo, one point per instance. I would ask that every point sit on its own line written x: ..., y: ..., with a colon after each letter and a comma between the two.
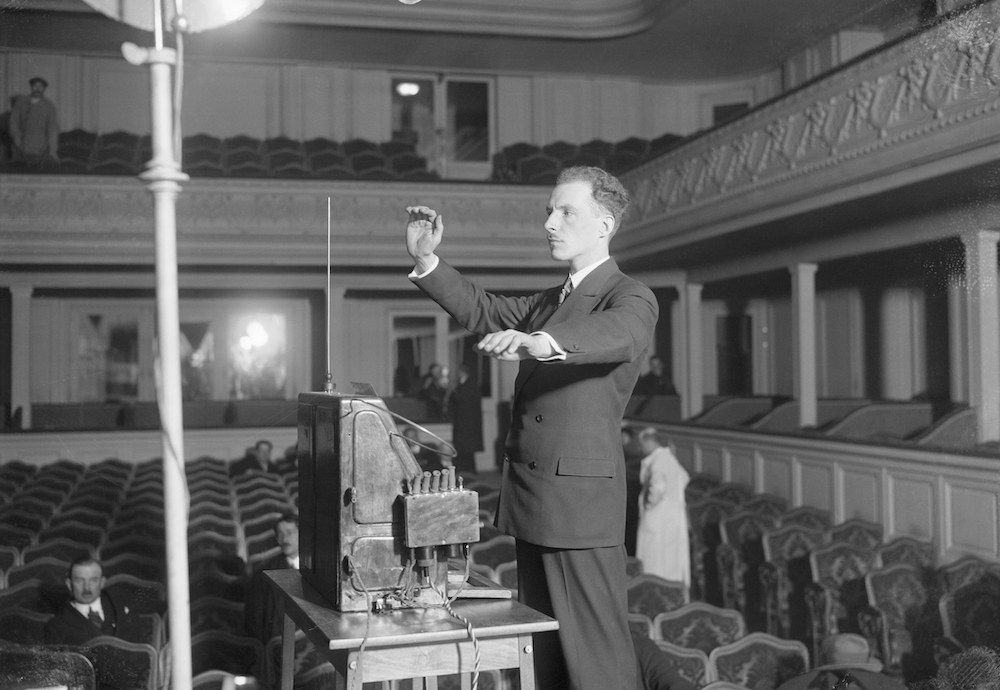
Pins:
x: 164, y: 176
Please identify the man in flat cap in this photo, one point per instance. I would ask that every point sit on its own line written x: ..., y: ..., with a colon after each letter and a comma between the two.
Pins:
x: 34, y: 125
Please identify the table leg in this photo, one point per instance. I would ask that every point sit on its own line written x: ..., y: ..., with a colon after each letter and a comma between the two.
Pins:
x: 527, y: 665
x: 287, y: 652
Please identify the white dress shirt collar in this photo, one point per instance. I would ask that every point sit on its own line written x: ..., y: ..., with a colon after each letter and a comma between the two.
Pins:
x: 578, y: 277
x: 85, y: 609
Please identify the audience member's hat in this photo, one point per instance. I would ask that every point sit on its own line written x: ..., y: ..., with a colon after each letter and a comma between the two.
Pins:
x: 847, y: 651
x: 31, y: 82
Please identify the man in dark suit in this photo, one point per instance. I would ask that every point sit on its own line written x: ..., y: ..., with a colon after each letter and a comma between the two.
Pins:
x: 92, y: 611
x: 257, y: 458
x: 656, y: 382
x: 465, y: 409
x: 581, y: 347
x: 260, y: 612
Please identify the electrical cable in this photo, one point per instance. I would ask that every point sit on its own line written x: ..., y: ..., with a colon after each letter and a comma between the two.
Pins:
x: 359, y: 671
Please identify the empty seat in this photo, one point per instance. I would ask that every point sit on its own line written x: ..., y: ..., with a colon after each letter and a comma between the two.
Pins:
x: 538, y: 169
x: 121, y: 664
x: 652, y: 595
x: 561, y: 150
x: 858, y: 532
x: 759, y: 660
x: 223, y: 651
x: 698, y: 625
x: 806, y: 516
x: 23, y: 626
x: 636, y: 145
x: 216, y: 613
x: 46, y: 571
x: 60, y: 548
x: 73, y: 531
x: 81, y: 516
x: 356, y: 146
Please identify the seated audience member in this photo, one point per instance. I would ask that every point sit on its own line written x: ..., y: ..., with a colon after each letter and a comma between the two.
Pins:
x: 256, y: 458
x: 91, y: 611
x: 662, y: 538
x: 655, y: 382
x: 288, y: 466
x: 848, y: 665
x: 260, y: 612
x: 434, y: 391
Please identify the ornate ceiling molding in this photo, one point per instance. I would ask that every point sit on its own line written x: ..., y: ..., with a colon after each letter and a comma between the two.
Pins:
x: 900, y: 114
x: 573, y: 19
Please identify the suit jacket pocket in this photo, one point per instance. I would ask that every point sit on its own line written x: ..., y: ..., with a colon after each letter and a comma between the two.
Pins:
x: 586, y: 467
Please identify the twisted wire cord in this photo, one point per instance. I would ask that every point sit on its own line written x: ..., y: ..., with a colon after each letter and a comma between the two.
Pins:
x: 359, y: 675
x: 477, y: 658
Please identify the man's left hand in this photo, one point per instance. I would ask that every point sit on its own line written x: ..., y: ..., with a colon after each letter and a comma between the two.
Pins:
x: 511, y: 346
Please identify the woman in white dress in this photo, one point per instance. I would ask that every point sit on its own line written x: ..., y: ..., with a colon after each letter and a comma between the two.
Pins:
x: 662, y: 541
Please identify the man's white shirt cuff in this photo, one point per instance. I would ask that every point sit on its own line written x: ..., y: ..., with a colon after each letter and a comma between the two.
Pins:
x: 417, y: 276
x: 560, y: 353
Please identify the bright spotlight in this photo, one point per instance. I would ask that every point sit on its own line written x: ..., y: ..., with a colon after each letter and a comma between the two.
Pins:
x: 257, y: 334
x: 407, y: 88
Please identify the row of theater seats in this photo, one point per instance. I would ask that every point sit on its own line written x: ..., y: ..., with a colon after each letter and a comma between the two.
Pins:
x: 114, y: 510
x: 532, y: 164
x: 202, y: 155
x: 793, y: 574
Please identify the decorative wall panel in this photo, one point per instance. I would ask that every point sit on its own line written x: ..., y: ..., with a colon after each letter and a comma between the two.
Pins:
x: 913, y: 502
x: 861, y: 497
x: 948, y: 499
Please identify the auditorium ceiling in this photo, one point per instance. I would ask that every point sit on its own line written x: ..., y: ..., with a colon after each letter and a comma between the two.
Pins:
x: 673, y: 40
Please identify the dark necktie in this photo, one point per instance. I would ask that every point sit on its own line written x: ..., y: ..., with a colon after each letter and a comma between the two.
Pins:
x: 95, y: 618
x: 566, y: 289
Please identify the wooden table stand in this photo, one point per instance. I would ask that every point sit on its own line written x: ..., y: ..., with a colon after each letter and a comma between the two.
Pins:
x: 407, y: 643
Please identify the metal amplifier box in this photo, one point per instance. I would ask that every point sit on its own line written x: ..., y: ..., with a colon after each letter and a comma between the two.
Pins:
x: 356, y: 472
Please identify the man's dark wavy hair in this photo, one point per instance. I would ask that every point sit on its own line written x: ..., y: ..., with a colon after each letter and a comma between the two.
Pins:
x: 608, y: 192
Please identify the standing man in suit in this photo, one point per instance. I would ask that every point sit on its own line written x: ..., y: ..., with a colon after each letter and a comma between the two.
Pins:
x: 91, y: 611
x: 466, y: 411
x: 581, y: 346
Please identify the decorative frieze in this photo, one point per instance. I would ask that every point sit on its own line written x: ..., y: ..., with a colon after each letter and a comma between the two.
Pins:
x: 934, y: 83
x: 53, y: 219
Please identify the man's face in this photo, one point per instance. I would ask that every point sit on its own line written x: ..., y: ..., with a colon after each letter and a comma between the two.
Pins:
x: 287, y: 534
x: 578, y: 232
x: 37, y: 89
x: 85, y: 583
x: 263, y: 453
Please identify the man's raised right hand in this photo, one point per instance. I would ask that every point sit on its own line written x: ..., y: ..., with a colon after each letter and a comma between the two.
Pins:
x: 423, y: 235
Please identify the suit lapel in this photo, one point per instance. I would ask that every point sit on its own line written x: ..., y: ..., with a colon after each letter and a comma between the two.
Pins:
x: 587, y: 294
x: 582, y: 300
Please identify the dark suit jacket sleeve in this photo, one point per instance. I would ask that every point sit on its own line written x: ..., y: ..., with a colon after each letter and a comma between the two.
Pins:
x: 476, y: 309
x: 617, y: 332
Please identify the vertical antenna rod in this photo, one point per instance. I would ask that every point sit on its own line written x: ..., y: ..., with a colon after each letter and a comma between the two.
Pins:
x: 329, y: 271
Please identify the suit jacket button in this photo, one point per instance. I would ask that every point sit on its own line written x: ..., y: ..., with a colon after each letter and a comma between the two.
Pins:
x: 532, y: 465
x: 539, y: 418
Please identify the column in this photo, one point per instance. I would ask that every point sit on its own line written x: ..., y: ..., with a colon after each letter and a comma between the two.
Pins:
x: 902, y: 344
x: 804, y: 340
x: 336, y: 322
x: 442, y: 322
x: 983, y: 310
x: 20, y: 359
x: 958, y: 372
x: 692, y: 372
